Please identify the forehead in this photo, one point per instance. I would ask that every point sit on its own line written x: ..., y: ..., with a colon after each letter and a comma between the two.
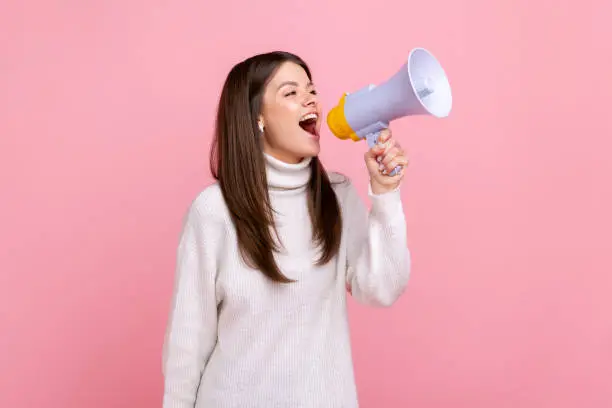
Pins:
x: 289, y: 72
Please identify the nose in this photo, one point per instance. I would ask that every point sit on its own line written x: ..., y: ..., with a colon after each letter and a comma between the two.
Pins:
x: 310, y: 99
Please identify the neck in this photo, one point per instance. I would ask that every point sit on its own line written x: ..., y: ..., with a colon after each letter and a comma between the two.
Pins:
x: 287, y: 176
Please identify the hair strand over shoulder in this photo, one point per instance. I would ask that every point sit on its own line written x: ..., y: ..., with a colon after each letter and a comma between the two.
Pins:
x: 237, y: 162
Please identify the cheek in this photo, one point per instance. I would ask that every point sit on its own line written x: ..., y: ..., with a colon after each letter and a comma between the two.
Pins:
x: 283, y: 116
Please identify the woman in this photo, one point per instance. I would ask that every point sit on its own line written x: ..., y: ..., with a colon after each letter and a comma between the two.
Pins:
x: 268, y: 252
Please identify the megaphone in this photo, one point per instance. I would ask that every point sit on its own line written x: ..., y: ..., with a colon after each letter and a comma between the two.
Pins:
x: 420, y: 87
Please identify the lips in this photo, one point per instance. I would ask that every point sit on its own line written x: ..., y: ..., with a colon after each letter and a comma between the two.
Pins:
x: 308, y: 122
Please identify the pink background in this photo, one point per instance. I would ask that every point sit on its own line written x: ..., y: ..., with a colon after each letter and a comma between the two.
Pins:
x: 106, y: 113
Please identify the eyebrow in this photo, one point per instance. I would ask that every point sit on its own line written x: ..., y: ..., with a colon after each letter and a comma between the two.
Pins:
x: 294, y: 84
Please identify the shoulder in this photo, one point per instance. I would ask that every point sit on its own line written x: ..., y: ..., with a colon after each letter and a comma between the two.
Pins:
x: 343, y: 187
x: 204, y: 226
x: 337, y: 178
x: 208, y: 206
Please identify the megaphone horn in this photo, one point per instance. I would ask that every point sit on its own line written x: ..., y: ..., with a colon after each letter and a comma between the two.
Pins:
x: 420, y: 87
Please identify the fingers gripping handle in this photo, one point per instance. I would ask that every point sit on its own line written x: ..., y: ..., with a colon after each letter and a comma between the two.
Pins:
x: 372, y: 138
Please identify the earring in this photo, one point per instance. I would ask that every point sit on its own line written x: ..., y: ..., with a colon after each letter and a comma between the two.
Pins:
x: 261, y: 127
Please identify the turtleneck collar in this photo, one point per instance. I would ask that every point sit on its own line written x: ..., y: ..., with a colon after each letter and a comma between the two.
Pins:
x: 287, y: 176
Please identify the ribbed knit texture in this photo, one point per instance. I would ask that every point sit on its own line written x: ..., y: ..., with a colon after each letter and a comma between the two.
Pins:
x: 237, y: 340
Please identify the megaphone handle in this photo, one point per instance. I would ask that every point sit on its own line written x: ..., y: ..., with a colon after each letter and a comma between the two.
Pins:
x: 372, y: 139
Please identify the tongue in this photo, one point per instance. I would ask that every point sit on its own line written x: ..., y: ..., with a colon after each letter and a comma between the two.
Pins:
x: 309, y: 126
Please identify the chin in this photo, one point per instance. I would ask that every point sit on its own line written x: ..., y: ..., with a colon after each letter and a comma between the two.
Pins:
x: 313, y: 150
x: 308, y: 146
x: 311, y: 155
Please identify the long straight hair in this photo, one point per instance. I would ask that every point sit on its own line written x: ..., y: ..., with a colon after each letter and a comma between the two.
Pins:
x: 237, y: 162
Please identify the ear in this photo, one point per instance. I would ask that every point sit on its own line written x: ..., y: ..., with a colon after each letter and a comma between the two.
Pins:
x: 260, y: 123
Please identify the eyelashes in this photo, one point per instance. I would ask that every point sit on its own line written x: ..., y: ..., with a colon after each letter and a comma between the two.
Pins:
x: 292, y: 93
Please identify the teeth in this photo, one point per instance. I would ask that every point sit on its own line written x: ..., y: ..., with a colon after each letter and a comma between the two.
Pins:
x: 309, y: 116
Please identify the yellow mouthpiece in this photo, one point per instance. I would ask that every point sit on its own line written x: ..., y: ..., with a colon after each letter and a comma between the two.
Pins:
x: 337, y: 122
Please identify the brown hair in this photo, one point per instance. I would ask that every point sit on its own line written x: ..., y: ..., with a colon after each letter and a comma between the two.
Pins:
x: 237, y: 162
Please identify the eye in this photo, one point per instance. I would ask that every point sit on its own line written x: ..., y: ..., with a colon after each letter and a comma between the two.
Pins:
x: 314, y: 92
x: 290, y: 93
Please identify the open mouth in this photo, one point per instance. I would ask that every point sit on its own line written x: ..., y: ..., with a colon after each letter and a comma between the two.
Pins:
x: 309, y: 123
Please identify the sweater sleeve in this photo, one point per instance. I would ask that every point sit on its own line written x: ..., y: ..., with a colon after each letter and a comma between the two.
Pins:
x: 191, y: 331
x: 378, y: 259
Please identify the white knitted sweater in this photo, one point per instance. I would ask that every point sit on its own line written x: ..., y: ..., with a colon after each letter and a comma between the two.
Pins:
x: 237, y: 340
